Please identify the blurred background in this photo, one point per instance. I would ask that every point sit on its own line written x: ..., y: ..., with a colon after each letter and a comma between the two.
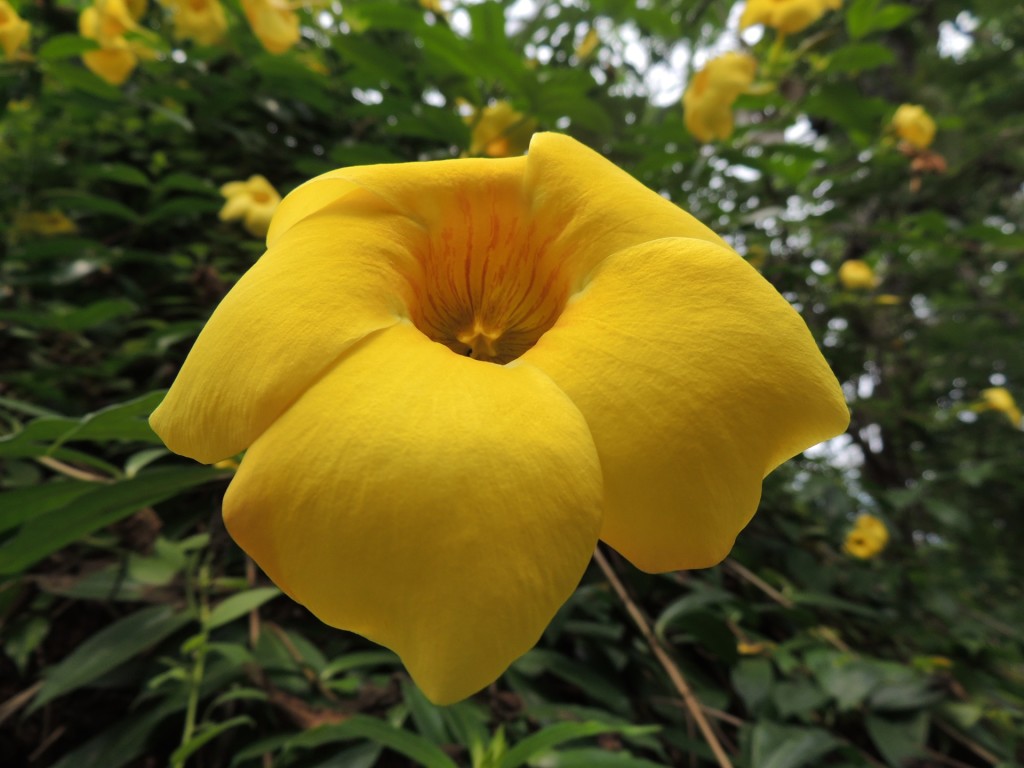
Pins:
x: 867, y: 158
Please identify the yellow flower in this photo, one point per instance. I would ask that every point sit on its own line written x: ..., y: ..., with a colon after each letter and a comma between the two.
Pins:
x: 14, y: 30
x: 254, y: 201
x: 857, y: 275
x: 106, y: 22
x: 867, y: 538
x: 44, y: 223
x: 787, y: 16
x: 500, y: 131
x: 453, y: 377
x: 201, y: 20
x: 708, y: 100
x: 914, y: 125
x: 1000, y: 399
x: 744, y: 648
x: 588, y: 45
x: 274, y: 23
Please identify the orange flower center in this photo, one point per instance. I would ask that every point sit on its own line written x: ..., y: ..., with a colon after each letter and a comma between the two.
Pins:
x: 487, y: 286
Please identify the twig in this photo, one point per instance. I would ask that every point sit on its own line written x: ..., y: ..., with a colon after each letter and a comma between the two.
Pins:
x: 19, y: 700
x: 747, y: 575
x: 693, y: 704
x: 968, y: 742
x: 945, y: 759
x: 67, y: 469
x: 254, y: 614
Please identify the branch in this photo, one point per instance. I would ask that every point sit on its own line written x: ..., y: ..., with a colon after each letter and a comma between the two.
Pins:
x: 692, y: 702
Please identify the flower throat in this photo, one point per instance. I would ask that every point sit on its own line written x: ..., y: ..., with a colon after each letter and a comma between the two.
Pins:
x: 488, y: 286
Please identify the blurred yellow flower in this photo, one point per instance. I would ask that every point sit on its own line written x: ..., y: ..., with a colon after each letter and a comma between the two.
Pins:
x: 857, y: 275
x: 888, y: 300
x: 453, y: 377
x: 744, y: 648
x: 999, y: 399
x: 867, y: 538
x: 499, y: 131
x: 137, y: 8
x: 274, y: 23
x: 588, y: 45
x: 44, y: 223
x: 106, y: 22
x: 254, y: 201
x: 708, y: 100
x: 787, y: 16
x: 914, y: 125
x: 201, y: 20
x: 14, y: 30
x: 434, y: 6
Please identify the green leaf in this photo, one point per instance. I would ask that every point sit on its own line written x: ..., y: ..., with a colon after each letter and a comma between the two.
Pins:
x: 108, y: 649
x: 779, y: 746
x: 409, y: 744
x: 859, y: 57
x: 898, y: 740
x: 583, y: 676
x: 594, y: 757
x: 22, y: 504
x: 858, y: 17
x: 797, y: 698
x: 753, y: 679
x: 360, y: 659
x: 74, y: 320
x: 206, y: 735
x: 892, y: 16
x: 120, y: 743
x: 239, y: 605
x: 123, y: 421
x: 560, y: 733
x: 65, y: 46
x: 100, y: 507
x: 119, y: 172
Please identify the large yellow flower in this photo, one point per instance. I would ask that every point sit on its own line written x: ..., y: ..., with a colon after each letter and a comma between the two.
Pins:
x: 500, y: 131
x: 253, y: 201
x: 274, y: 23
x: 787, y: 16
x: 453, y: 377
x: 106, y: 22
x: 708, y: 100
x: 14, y: 30
x: 914, y: 125
x: 201, y: 20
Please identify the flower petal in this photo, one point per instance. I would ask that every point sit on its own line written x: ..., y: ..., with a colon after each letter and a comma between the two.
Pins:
x: 421, y: 191
x: 326, y: 284
x: 696, y: 379
x: 441, y: 506
x: 594, y: 207
x: 235, y: 207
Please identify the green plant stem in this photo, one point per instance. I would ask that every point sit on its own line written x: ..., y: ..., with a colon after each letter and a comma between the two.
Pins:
x: 195, y: 681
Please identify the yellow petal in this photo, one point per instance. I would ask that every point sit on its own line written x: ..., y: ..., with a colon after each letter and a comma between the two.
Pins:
x: 593, y: 208
x: 421, y: 191
x: 325, y: 284
x: 235, y: 207
x: 697, y: 379
x: 440, y: 506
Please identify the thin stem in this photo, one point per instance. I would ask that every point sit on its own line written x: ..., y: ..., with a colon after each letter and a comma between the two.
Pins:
x: 693, y: 704
x: 199, y: 664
